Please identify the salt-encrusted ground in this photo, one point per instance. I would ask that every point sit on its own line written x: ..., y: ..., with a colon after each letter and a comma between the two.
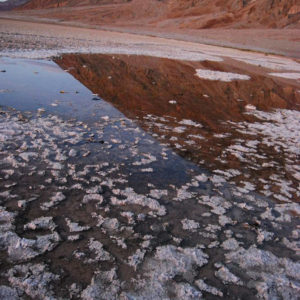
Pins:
x: 89, y: 226
x: 98, y: 209
x: 265, y: 152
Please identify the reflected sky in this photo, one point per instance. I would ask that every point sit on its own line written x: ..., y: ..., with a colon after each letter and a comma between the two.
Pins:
x: 32, y: 84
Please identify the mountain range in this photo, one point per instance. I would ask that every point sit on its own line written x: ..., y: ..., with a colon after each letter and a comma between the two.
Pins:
x: 181, y: 14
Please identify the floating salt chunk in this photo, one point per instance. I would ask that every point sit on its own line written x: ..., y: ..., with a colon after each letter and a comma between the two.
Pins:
x: 190, y: 123
x: 158, y: 194
x: 217, y: 180
x: 222, y: 135
x: 186, y: 291
x: 226, y: 276
x: 250, y: 107
x: 60, y: 157
x: 295, y: 76
x: 223, y: 220
x: 56, y: 166
x: 22, y: 249
x: 264, y: 236
x: 72, y: 153
x: 230, y: 244
x: 32, y: 281
x: 296, y: 176
x: 147, y: 170
x: 8, y: 171
x: 111, y: 224
x: 222, y: 76
x: 28, y: 155
x: 8, y: 293
x: 141, y: 217
x: 104, y: 285
x: 196, y: 136
x: 41, y: 223
x: 85, y: 154
x: 97, y: 248
x: 105, y: 118
x: 172, y: 101
x: 129, y: 215
x: 40, y: 111
x: 147, y: 160
x: 22, y: 203
x: 95, y: 190
x: 116, y: 141
x: 92, y: 197
x: 54, y: 200
x: 179, y: 129
x: 75, y: 227
x: 190, y: 225
x: 136, y: 258
x: 202, y: 286
x: 201, y: 178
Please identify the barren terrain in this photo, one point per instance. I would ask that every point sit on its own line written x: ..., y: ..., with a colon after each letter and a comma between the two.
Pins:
x: 139, y: 167
x: 187, y: 14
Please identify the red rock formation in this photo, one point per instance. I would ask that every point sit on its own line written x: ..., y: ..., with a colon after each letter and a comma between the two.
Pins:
x: 191, y: 14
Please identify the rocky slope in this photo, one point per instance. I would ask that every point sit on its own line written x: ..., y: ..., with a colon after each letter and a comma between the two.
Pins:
x: 188, y: 14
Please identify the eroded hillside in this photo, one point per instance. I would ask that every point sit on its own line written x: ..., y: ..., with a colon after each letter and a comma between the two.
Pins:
x: 189, y: 14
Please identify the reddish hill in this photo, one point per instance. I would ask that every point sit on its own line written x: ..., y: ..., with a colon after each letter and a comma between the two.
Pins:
x: 40, y: 4
x: 189, y: 14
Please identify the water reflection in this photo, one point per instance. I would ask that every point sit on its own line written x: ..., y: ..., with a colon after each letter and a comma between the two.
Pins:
x: 208, y: 122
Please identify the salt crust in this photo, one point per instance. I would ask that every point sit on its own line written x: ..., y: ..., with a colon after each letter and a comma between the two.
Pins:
x: 222, y: 76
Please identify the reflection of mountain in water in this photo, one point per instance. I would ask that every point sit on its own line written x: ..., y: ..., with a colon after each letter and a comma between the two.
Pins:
x: 198, y: 118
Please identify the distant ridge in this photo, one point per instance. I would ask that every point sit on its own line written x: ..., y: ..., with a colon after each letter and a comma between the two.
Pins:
x: 189, y: 14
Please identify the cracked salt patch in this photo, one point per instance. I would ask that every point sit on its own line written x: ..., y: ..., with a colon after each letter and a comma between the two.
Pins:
x: 168, y: 262
x: 295, y: 76
x: 54, y: 200
x: 272, y: 281
x: 276, y: 131
x: 272, y: 62
x: 75, y: 227
x: 33, y: 280
x: 189, y: 225
x: 226, y: 276
x: 222, y: 76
